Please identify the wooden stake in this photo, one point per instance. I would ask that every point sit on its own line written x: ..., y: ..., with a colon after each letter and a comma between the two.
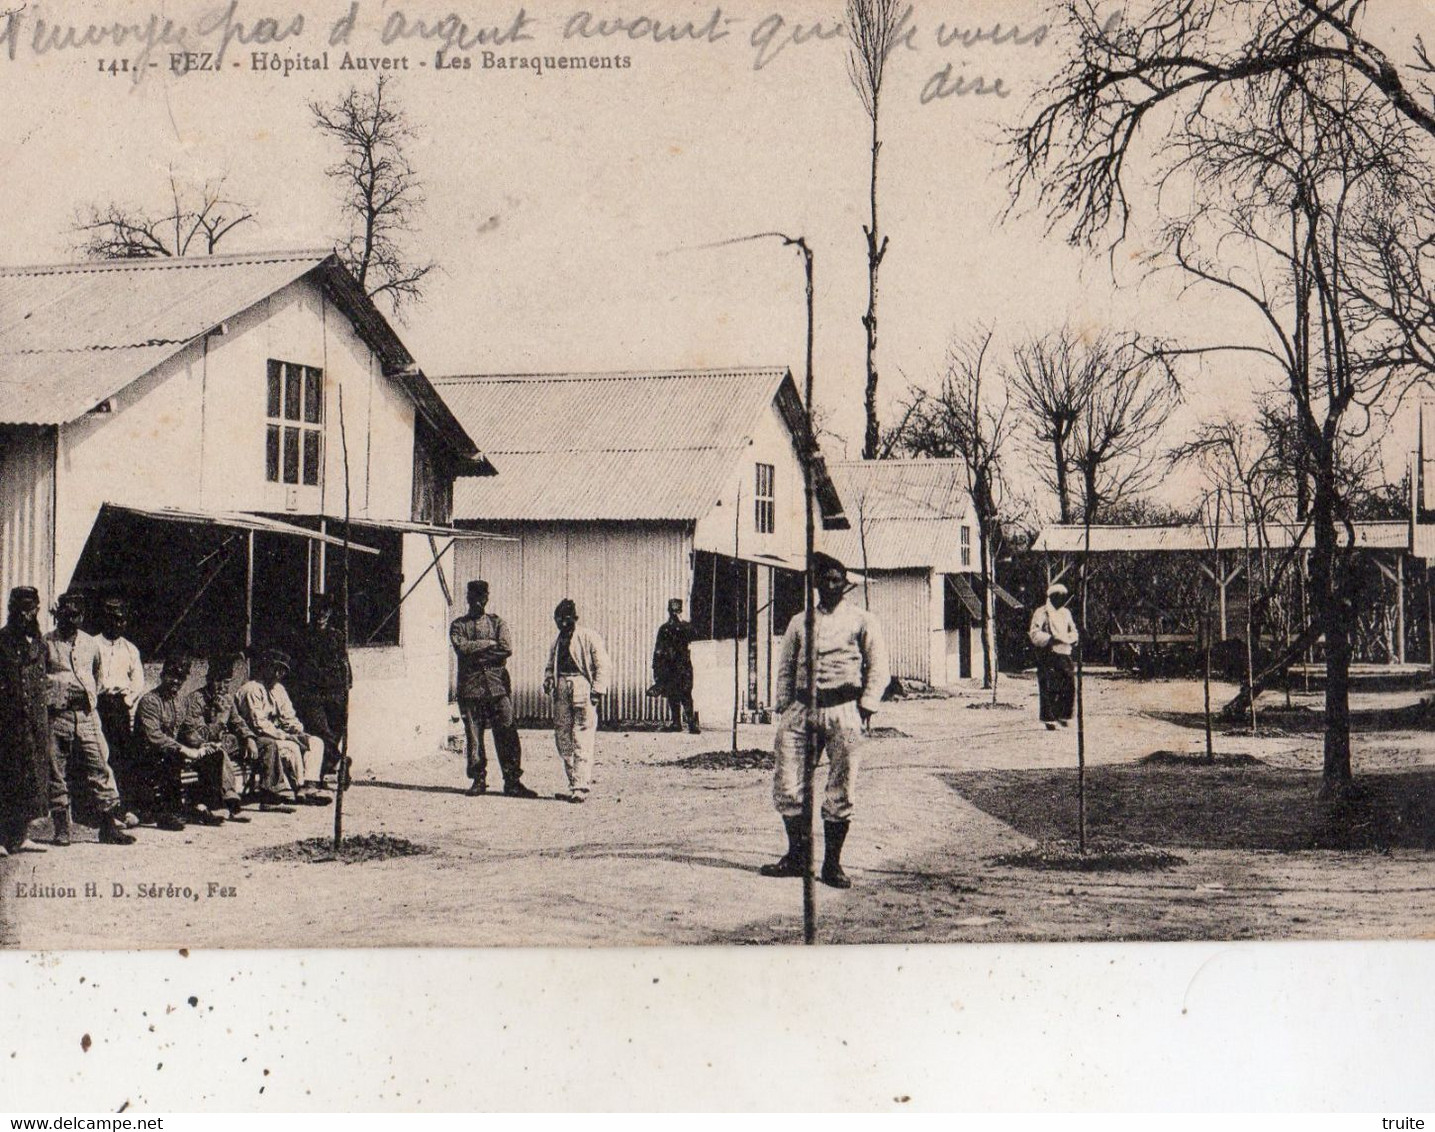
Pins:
x: 342, y: 780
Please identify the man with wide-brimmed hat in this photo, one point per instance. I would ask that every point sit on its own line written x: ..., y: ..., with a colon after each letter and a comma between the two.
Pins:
x: 80, y: 756
x: 853, y: 672
x: 268, y: 712
x: 24, y: 722
x: 1053, y: 634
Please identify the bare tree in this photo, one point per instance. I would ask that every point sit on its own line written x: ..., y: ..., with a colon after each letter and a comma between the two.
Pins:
x: 1289, y: 130
x: 382, y: 194
x: 969, y: 417
x: 1093, y: 407
x: 195, y: 221
x: 1114, y: 447
x: 873, y: 26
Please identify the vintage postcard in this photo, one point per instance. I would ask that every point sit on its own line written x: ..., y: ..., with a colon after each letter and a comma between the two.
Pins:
x: 506, y: 475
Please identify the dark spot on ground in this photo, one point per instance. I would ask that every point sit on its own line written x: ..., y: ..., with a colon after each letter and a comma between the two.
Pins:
x: 354, y: 850
x: 748, y: 758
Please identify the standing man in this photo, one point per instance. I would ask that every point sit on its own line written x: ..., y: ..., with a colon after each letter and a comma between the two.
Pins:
x: 120, y: 685
x: 267, y: 711
x: 1054, y: 634
x: 483, y: 644
x: 24, y: 722
x: 673, y: 668
x: 852, y: 674
x: 323, y: 680
x: 72, y: 665
x: 576, y: 678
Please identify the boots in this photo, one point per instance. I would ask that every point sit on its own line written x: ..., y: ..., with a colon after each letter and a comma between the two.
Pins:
x: 112, y: 830
x: 794, y: 862
x: 61, y: 818
x: 693, y: 728
x: 835, y: 833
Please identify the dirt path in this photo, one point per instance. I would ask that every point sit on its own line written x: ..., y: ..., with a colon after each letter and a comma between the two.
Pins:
x: 668, y: 854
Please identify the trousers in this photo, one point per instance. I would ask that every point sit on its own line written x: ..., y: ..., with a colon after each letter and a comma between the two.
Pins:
x: 838, y: 735
x: 575, y: 730
x: 495, y: 713
x: 1056, y: 685
x: 79, y: 758
x: 118, y: 731
x: 300, y: 762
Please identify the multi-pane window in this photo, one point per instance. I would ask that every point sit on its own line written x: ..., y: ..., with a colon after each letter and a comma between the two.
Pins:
x: 294, y: 440
x: 765, y: 513
x: 966, y: 546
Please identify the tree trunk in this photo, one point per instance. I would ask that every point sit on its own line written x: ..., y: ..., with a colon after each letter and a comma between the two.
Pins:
x: 989, y: 652
x: 1063, y: 484
x: 875, y: 250
x: 1333, y: 616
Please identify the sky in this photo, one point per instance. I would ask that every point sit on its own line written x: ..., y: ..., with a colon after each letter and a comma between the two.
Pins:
x: 572, y: 213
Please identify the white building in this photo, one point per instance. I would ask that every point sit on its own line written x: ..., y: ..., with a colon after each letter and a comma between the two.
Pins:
x: 913, y: 538
x: 628, y: 489
x: 171, y: 430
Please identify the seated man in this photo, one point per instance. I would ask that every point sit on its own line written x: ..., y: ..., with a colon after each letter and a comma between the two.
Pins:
x: 159, y: 755
x: 267, y: 711
x: 212, y: 724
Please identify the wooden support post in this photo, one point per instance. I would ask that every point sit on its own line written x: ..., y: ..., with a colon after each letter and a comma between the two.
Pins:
x: 1399, y: 607
x: 249, y: 593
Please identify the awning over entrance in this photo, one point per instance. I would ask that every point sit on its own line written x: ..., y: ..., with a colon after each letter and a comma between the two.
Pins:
x: 432, y: 529
x: 965, y: 594
x: 239, y: 520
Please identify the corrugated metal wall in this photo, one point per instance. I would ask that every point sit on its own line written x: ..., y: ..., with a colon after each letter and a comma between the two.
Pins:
x: 620, y: 574
x: 902, y: 601
x: 27, y: 498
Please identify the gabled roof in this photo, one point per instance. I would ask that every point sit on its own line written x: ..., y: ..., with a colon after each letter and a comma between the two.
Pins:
x: 653, y: 446
x: 73, y: 335
x: 904, y: 514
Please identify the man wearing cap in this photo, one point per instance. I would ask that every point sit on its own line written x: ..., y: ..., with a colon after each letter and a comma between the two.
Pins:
x: 483, y: 643
x: 160, y: 753
x: 267, y: 711
x: 673, y: 668
x: 1053, y: 634
x: 213, y: 727
x: 24, y: 722
x: 852, y: 674
x: 577, y: 679
x: 323, y: 679
x: 72, y: 663
x: 120, y: 684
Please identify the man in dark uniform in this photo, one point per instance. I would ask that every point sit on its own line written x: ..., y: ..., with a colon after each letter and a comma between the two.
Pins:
x: 212, y: 725
x: 162, y: 754
x: 323, y: 679
x: 483, y: 644
x: 24, y: 722
x: 673, y: 668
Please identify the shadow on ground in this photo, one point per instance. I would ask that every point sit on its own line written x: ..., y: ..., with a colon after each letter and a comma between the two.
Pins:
x: 1200, y: 807
x: 1301, y: 720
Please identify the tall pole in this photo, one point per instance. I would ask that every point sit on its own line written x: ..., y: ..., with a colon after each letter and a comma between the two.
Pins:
x: 1081, y: 699
x: 809, y: 622
x: 737, y: 572
x: 343, y: 752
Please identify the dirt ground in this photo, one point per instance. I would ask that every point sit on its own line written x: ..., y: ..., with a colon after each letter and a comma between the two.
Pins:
x: 667, y: 849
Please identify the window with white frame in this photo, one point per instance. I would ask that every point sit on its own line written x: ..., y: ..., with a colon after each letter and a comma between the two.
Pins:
x: 966, y: 546
x: 294, y: 434
x: 765, y: 510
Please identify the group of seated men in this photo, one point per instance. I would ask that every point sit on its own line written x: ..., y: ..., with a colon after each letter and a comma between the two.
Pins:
x: 218, y: 732
x: 171, y: 758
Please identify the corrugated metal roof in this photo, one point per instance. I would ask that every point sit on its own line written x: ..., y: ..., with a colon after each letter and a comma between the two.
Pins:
x: 1068, y: 538
x: 72, y: 335
x: 904, y: 514
x: 620, y: 446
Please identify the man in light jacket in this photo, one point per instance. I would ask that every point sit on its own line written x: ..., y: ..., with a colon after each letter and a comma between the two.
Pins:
x: 576, y: 678
x: 853, y: 672
x: 1053, y: 635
